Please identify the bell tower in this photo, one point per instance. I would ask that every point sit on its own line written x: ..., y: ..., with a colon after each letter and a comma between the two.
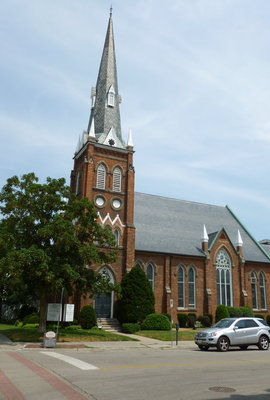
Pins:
x: 103, y: 163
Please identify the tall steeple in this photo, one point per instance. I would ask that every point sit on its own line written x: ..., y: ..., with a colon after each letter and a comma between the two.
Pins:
x: 105, y: 110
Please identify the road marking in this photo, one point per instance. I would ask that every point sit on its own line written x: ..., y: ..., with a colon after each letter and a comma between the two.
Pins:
x: 70, y: 360
x: 185, y: 364
x: 66, y: 390
x: 8, y: 390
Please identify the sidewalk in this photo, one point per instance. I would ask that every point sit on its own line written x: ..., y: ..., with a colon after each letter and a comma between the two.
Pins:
x: 143, y: 342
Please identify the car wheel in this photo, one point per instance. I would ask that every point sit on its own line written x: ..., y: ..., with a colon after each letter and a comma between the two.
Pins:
x: 243, y: 347
x: 223, y: 343
x: 263, y: 343
x: 201, y: 347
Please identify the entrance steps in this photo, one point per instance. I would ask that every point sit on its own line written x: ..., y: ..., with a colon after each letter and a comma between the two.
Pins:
x: 109, y: 324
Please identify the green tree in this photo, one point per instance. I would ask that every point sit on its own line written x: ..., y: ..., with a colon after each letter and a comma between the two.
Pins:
x: 137, y: 298
x: 48, y: 238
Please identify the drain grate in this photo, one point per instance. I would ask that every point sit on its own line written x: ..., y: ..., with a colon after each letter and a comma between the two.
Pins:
x: 222, y: 389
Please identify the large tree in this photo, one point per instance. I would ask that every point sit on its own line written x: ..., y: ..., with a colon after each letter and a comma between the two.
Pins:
x: 48, y: 239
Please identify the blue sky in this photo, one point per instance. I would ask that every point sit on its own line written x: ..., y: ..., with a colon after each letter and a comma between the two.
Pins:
x: 194, y: 76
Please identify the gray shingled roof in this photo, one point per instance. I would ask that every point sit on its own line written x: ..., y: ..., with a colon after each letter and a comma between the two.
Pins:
x: 171, y: 226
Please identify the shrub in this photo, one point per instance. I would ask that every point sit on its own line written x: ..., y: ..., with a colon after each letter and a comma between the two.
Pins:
x: 137, y: 297
x: 191, y: 319
x: 182, y: 320
x: 259, y: 316
x: 268, y: 319
x: 221, y: 312
x: 168, y: 316
x: 87, y: 317
x: 130, y: 327
x: 235, y: 312
x: 31, y: 319
x: 156, y: 322
x: 205, y: 320
x: 246, y: 311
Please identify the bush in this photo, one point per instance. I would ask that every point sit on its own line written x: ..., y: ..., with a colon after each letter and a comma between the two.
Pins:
x: 259, y: 316
x: 130, y: 327
x: 205, y: 320
x: 191, y: 319
x: 168, y: 316
x: 268, y: 319
x: 87, y: 317
x: 137, y: 297
x: 157, y: 322
x: 235, y: 312
x: 182, y: 320
x: 221, y: 312
x: 246, y: 311
x: 31, y: 319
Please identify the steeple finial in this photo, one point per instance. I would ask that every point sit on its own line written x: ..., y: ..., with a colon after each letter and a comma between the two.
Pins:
x: 111, y: 10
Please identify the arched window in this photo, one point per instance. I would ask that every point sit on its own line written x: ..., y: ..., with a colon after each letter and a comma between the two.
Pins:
x: 262, y: 291
x: 101, y: 176
x: 181, y: 287
x: 138, y: 264
x: 253, y: 280
x: 116, y: 236
x: 150, y: 275
x: 191, y: 288
x: 117, y: 179
x: 78, y: 178
x: 111, y: 97
x: 223, y: 277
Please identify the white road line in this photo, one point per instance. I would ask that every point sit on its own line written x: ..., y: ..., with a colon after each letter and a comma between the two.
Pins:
x: 70, y: 360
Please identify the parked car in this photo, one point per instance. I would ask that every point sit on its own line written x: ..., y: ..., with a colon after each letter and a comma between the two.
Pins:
x: 241, y: 332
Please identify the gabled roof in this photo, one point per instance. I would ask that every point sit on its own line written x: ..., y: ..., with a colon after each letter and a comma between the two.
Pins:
x: 171, y: 226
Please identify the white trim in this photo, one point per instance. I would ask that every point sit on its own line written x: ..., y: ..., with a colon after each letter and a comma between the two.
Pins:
x: 108, y: 218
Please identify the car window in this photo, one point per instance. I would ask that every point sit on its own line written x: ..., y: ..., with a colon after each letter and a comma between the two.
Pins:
x: 262, y: 321
x: 250, y: 323
x: 240, y: 324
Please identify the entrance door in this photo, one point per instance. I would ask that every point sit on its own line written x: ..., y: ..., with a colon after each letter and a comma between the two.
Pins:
x: 103, y: 303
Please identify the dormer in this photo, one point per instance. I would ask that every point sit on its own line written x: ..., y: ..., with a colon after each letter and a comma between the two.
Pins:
x: 111, y: 97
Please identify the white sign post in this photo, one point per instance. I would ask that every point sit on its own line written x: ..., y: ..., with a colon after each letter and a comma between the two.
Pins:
x: 69, y: 312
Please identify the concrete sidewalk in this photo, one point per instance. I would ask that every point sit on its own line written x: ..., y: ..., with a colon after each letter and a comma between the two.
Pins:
x: 143, y: 342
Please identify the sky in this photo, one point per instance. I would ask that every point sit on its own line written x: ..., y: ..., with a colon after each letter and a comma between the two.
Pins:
x: 194, y: 76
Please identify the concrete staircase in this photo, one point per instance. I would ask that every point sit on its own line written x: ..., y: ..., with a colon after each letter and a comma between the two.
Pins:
x: 109, y: 324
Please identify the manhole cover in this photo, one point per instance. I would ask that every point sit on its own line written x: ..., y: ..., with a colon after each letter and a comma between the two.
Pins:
x: 222, y: 389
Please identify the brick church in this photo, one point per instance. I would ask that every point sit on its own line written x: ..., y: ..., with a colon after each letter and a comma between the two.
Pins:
x: 195, y: 255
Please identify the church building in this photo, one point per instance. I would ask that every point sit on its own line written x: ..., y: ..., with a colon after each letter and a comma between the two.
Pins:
x: 195, y: 255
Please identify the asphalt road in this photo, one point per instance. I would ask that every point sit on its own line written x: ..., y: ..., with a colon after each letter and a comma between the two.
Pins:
x: 130, y: 374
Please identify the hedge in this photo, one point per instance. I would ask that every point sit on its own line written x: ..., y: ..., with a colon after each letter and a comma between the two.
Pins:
x: 158, y: 322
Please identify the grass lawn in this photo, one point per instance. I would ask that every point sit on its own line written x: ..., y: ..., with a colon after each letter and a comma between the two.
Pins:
x: 29, y: 333
x: 183, y: 334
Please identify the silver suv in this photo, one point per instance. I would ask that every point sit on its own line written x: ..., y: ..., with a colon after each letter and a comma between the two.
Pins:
x: 240, y: 332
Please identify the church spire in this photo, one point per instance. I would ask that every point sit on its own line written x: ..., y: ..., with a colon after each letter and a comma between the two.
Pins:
x: 105, y: 98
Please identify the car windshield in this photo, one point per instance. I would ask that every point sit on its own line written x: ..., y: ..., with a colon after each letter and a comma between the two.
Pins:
x: 224, y: 323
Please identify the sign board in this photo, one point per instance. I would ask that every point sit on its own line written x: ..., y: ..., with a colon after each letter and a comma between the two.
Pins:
x: 68, y: 312
x: 171, y: 303
x: 49, y: 339
x: 54, y: 312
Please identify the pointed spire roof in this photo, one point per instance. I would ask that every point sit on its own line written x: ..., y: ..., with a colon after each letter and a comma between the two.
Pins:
x: 205, y: 237
x: 239, y: 240
x: 105, y: 110
x: 130, y: 139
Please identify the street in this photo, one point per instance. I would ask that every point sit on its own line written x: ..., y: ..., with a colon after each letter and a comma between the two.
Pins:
x: 148, y: 373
